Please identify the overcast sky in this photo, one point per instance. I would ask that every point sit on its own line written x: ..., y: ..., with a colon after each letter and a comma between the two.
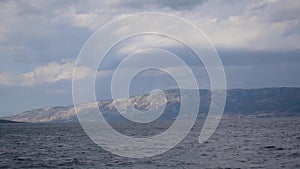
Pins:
x: 258, y: 43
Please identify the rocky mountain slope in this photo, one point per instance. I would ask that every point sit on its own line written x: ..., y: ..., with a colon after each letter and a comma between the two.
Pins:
x: 244, y: 102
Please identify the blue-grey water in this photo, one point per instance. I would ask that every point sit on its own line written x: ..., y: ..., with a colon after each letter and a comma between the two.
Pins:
x: 237, y: 143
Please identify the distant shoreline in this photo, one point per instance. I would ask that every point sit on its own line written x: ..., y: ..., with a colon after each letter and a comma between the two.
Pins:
x: 9, y: 121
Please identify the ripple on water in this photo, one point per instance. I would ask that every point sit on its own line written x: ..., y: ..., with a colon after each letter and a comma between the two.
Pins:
x: 242, y: 143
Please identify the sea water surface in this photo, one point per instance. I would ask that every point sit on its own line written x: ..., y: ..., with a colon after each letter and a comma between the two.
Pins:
x: 237, y: 143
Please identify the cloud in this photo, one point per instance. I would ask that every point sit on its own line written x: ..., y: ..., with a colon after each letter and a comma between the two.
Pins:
x: 143, y: 42
x: 173, y: 4
x: 91, y: 19
x: 28, y: 34
x: 50, y: 73
x: 256, y: 25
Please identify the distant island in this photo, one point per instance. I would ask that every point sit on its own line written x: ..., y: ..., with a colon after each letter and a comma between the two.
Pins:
x: 263, y: 102
x: 8, y: 121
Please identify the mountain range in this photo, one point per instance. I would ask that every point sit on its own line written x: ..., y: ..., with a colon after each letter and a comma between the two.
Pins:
x: 239, y: 102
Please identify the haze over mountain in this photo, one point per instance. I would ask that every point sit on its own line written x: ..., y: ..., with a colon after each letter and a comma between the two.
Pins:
x: 240, y: 102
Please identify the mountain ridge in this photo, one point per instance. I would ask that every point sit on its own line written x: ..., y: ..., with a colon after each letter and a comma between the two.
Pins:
x: 239, y: 102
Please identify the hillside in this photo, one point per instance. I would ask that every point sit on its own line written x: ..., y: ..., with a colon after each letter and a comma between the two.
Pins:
x: 242, y: 102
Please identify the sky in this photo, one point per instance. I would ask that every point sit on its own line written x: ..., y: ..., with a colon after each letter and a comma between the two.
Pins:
x: 258, y: 43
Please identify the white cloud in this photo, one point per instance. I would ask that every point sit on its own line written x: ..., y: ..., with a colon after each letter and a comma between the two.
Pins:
x: 146, y: 41
x: 261, y: 25
x: 255, y: 25
x: 50, y: 73
x: 91, y: 19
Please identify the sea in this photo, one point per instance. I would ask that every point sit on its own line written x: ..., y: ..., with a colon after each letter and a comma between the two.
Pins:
x: 270, y: 142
